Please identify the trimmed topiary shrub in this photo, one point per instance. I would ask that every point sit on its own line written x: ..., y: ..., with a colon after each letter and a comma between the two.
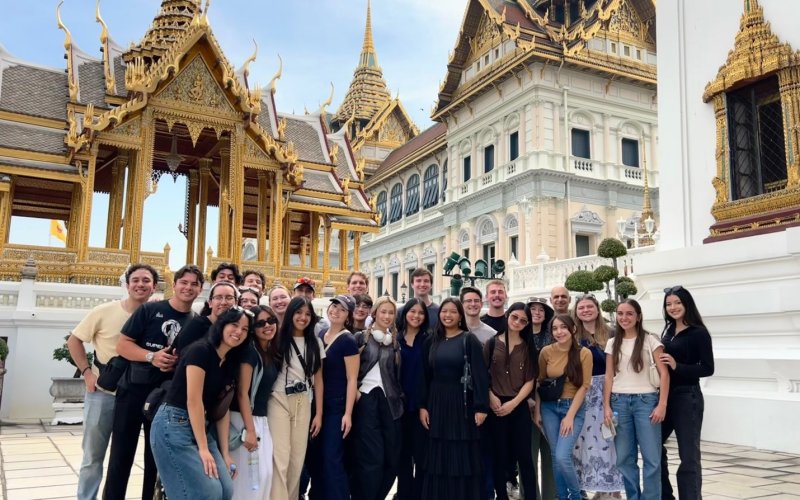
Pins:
x: 582, y: 281
x: 626, y: 288
x: 609, y: 306
x: 611, y: 248
x: 604, y: 274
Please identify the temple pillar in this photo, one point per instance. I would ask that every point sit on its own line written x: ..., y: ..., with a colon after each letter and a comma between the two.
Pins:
x: 287, y: 237
x: 276, y: 226
x: 236, y: 191
x: 304, y: 240
x: 6, y: 187
x: 76, y: 208
x: 326, y: 251
x: 225, y: 201
x: 144, y: 169
x: 205, y: 174
x: 114, y: 223
x: 342, y: 250
x: 356, y: 250
x: 87, y: 191
x: 790, y: 103
x: 314, y: 240
x: 191, y: 219
x: 262, y: 217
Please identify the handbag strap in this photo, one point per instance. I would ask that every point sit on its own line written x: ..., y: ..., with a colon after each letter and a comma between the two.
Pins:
x: 258, y: 373
x: 302, y: 360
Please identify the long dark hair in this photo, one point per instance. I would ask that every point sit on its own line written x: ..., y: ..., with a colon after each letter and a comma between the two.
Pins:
x: 637, y: 359
x: 270, y: 355
x: 439, y: 332
x: 400, y: 321
x: 691, y: 316
x: 574, y: 369
x: 233, y: 315
x: 526, y: 334
x: 285, y: 349
x: 349, y: 322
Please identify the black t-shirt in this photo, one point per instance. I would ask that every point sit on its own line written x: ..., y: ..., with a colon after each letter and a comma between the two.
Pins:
x: 195, y: 329
x: 334, y: 371
x: 154, y: 325
x: 252, y: 357
x: 496, y: 322
x: 217, y: 377
x: 694, y: 356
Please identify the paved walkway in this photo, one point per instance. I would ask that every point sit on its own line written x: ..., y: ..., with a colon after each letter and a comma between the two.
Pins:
x: 40, y: 461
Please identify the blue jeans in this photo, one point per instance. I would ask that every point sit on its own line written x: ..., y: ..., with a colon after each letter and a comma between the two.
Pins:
x: 567, y: 486
x: 635, y: 429
x: 178, y: 460
x: 98, y: 418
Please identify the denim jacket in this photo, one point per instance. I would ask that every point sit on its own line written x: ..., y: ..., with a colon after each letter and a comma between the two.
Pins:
x: 388, y: 358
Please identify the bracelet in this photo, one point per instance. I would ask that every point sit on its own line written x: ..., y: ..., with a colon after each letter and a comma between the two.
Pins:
x: 84, y: 370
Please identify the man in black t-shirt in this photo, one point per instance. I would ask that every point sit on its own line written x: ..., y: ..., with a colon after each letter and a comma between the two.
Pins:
x: 146, y: 342
x: 496, y: 297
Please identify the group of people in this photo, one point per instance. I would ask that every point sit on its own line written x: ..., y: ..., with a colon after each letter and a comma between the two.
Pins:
x: 253, y: 396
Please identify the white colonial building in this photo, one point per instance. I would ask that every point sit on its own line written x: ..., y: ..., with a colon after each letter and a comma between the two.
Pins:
x: 729, y: 115
x: 547, y: 135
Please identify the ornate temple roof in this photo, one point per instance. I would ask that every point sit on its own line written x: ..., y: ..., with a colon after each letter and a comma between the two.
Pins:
x: 368, y: 92
x: 172, y: 20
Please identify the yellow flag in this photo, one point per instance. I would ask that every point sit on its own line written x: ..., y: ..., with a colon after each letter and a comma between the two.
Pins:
x: 58, y: 230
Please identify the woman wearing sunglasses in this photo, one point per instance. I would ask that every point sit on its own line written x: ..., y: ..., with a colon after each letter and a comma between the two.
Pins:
x: 689, y: 356
x: 189, y: 461
x: 596, y: 458
x: 249, y: 427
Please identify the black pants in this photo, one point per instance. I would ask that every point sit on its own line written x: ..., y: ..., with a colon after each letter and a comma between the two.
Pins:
x: 325, y: 460
x: 412, y: 452
x: 128, y: 422
x: 684, y: 416
x: 377, y: 447
x: 511, y: 437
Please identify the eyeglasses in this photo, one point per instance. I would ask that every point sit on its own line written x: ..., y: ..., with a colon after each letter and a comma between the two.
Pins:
x: 264, y: 322
x: 247, y: 312
x: 673, y: 289
x: 226, y: 298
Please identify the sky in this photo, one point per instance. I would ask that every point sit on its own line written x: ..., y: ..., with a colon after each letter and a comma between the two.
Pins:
x: 319, y: 41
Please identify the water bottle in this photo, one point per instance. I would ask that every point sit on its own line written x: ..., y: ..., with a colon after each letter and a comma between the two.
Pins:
x: 252, y: 470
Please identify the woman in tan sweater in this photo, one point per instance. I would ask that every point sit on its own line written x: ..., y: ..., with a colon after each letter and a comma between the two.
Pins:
x: 567, y: 366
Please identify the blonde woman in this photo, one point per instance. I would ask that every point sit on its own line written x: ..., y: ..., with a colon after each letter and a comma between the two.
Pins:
x: 596, y: 465
x: 279, y: 298
x: 380, y: 404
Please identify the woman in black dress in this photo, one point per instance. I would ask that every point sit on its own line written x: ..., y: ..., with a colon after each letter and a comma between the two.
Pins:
x: 454, y: 401
x: 688, y: 354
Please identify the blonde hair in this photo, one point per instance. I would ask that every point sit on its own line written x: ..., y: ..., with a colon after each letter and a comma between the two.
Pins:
x: 600, y: 336
x: 275, y: 287
x: 385, y: 299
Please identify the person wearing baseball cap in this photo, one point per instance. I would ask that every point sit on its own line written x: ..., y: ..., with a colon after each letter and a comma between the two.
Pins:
x: 304, y: 287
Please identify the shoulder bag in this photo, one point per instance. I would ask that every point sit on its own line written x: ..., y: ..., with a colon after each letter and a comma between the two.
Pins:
x: 653, y: 376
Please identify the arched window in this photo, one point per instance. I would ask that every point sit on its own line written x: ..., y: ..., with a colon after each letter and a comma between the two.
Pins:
x: 431, y: 185
x: 412, y: 195
x: 396, y: 203
x: 444, y: 181
x: 381, y: 207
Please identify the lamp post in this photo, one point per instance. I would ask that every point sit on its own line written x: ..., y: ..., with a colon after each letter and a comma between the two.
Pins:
x: 638, y: 239
x: 464, y: 272
x: 403, y: 290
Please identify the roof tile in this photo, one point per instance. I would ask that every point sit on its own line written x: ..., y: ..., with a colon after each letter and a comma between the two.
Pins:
x: 31, y: 138
x: 34, y: 91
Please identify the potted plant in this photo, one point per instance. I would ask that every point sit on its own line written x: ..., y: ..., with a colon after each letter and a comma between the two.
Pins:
x: 3, y: 356
x: 68, y: 392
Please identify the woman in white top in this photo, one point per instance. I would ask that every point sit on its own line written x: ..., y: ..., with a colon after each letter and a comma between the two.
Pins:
x: 637, y: 405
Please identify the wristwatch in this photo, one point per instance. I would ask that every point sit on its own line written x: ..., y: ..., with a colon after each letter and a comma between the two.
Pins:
x: 149, y: 357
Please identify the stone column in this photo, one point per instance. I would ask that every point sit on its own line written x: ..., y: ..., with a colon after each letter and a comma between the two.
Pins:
x: 6, y: 187
x: 115, y: 200
x: 326, y: 250
x: 87, y: 191
x: 342, y: 250
x: 314, y: 240
x: 237, y: 179
x: 205, y: 174
x: 144, y: 168
x: 263, y: 215
x: 225, y: 201
x: 191, y: 220
x: 356, y: 250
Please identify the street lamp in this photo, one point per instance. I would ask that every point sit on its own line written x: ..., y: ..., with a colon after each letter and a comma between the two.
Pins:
x: 638, y: 239
x: 464, y: 271
x: 403, y: 290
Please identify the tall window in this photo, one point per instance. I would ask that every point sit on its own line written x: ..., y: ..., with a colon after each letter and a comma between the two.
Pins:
x: 379, y: 290
x: 488, y: 254
x: 431, y: 187
x: 444, y: 181
x: 396, y: 203
x: 394, y: 289
x: 467, y: 168
x: 630, y: 152
x: 580, y: 143
x: 513, y: 243
x: 581, y: 245
x: 381, y: 207
x: 758, y: 153
x: 488, y: 158
x: 513, y: 146
x: 412, y: 195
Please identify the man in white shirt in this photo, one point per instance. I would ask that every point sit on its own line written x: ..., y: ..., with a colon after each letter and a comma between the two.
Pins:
x: 472, y: 300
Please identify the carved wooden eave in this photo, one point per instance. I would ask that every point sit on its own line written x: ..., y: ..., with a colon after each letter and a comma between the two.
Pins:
x: 537, y: 38
x: 757, y: 54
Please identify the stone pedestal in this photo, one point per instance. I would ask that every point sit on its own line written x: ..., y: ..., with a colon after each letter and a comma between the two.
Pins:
x: 68, y: 396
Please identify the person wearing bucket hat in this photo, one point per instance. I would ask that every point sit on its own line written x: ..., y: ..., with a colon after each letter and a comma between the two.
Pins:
x: 541, y: 316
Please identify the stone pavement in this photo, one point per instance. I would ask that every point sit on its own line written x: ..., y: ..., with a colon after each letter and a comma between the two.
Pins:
x: 40, y: 461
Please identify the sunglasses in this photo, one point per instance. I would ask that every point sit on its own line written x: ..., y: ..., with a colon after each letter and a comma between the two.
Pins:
x: 585, y: 296
x: 537, y: 300
x: 673, y: 289
x: 246, y: 312
x: 264, y: 322
x: 251, y: 290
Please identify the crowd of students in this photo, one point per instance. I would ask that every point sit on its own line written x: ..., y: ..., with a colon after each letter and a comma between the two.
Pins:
x: 254, y: 396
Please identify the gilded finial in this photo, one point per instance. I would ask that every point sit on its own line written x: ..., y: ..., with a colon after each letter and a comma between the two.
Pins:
x: 282, y: 129
x: 204, y: 17
x: 334, y: 152
x: 274, y: 81
x: 111, y: 85
x: 71, y: 80
x: 246, y: 66
x: 346, y: 125
x: 326, y: 103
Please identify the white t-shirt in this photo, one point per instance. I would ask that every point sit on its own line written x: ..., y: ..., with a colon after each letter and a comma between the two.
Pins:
x: 293, y: 372
x: 628, y: 381
x: 372, y: 380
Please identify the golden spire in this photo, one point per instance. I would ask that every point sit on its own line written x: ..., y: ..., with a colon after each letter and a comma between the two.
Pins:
x: 368, y: 92
x: 647, y: 209
x: 72, y: 81
x: 172, y: 20
x: 272, y: 86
